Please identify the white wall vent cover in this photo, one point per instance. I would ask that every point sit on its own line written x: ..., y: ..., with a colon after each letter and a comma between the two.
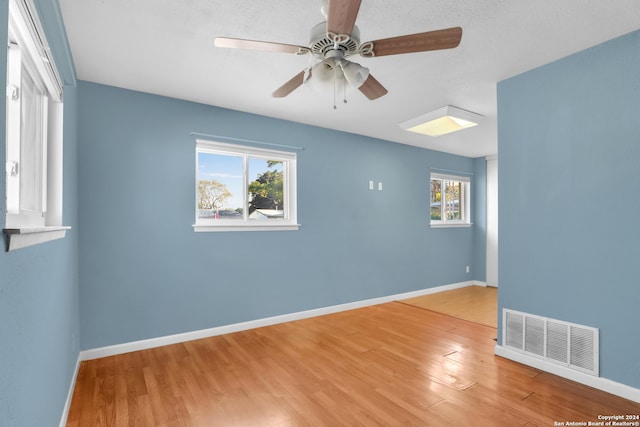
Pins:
x: 563, y: 343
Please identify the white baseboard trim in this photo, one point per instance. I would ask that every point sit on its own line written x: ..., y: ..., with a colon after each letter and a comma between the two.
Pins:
x: 113, y: 350
x: 72, y: 386
x: 599, y: 383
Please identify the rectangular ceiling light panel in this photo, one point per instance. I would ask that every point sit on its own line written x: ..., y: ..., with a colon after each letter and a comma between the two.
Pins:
x: 442, y: 121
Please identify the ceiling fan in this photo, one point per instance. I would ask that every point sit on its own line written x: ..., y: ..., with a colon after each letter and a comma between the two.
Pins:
x: 338, y: 38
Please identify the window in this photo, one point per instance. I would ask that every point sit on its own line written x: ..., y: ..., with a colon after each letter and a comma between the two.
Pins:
x: 450, y: 200
x: 33, y: 133
x: 244, y: 188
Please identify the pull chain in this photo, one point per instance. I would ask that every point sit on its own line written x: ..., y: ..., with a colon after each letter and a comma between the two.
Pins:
x: 335, y: 90
x: 335, y: 83
x: 344, y: 93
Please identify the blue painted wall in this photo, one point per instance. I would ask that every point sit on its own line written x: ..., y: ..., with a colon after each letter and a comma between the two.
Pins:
x: 569, y: 149
x: 145, y: 273
x: 479, y: 200
x: 39, y: 295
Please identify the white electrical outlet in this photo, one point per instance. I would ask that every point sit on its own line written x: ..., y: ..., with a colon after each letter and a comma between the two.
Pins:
x: 379, y: 186
x: 467, y: 268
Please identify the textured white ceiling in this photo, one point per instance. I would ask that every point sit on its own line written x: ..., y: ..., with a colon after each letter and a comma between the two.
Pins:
x: 166, y: 47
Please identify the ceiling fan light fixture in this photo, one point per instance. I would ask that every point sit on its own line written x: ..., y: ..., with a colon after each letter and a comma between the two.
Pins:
x: 325, y: 76
x: 442, y: 121
x: 355, y: 74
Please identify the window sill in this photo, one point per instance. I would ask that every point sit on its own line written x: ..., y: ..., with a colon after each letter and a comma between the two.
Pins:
x: 451, y: 225
x: 18, y: 238
x: 198, y: 228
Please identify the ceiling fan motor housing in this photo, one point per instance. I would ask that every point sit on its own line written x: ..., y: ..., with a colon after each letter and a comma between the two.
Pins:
x: 321, y: 43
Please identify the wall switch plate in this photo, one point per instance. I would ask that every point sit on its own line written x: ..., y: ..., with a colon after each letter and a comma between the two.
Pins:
x: 370, y: 185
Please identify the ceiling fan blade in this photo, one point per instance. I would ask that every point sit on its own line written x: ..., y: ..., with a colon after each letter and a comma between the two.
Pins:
x: 341, y: 16
x: 421, y: 42
x: 291, y: 85
x: 260, y: 45
x: 372, y: 89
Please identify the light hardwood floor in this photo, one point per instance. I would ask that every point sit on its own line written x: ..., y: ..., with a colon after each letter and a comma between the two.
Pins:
x: 477, y: 304
x: 387, y: 365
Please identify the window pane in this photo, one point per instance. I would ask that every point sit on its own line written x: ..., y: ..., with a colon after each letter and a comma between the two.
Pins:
x: 254, y: 187
x: 266, y: 189
x: 436, y: 200
x: 32, y: 104
x: 453, y: 193
x: 220, y: 183
x: 449, y: 200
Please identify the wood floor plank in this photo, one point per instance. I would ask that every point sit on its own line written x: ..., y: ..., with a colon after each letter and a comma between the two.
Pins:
x: 477, y: 304
x: 387, y: 365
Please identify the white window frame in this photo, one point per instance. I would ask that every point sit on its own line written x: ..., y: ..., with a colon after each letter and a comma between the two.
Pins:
x: 288, y: 159
x: 27, y: 53
x: 465, y: 198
